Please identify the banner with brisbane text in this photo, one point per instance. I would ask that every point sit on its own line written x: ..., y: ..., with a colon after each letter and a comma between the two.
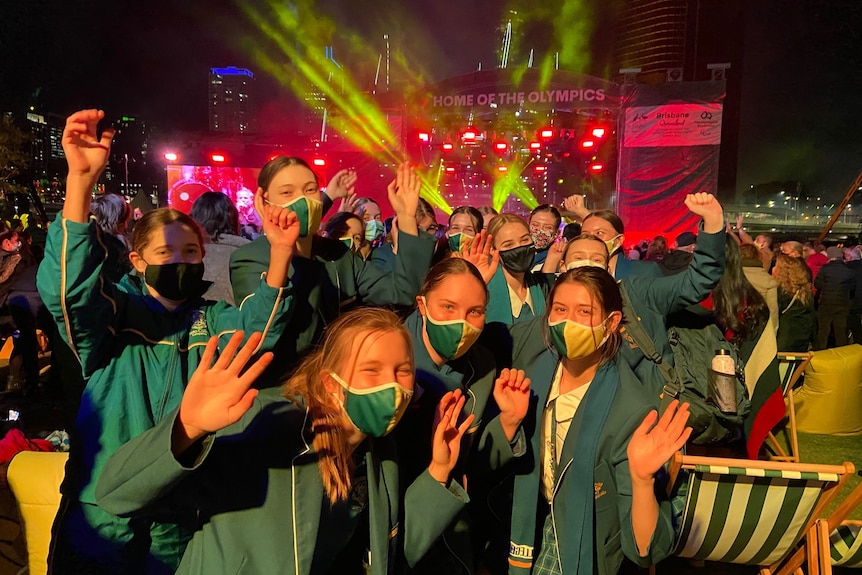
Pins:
x: 669, y: 148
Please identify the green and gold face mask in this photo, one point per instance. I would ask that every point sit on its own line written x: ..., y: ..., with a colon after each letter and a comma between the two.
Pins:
x: 377, y: 410
x: 574, y: 340
x: 451, y: 339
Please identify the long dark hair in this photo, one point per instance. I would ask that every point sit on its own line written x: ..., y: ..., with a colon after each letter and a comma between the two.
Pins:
x: 738, y: 306
x: 610, y: 217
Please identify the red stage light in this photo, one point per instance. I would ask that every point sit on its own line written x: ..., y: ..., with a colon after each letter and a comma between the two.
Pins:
x: 587, y: 144
x: 218, y: 158
x: 599, y: 132
x: 501, y: 146
x: 539, y: 168
x: 171, y: 157
x: 424, y: 136
x: 502, y: 169
x: 535, y: 145
x: 319, y: 162
x: 597, y: 167
x: 450, y: 169
x: 547, y: 134
x: 447, y: 147
x: 469, y: 134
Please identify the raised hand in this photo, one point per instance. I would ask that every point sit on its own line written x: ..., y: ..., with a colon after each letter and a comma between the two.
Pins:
x: 281, y: 226
x: 446, y: 441
x: 575, y: 205
x: 348, y: 203
x: 706, y: 206
x: 86, y: 151
x: 512, y: 394
x: 341, y: 185
x: 653, y: 444
x: 554, y: 257
x: 403, y: 194
x: 219, y: 394
x: 479, y: 254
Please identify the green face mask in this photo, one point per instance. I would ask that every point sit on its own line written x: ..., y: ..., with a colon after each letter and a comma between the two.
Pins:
x: 459, y: 242
x: 574, y: 340
x: 348, y: 242
x: 308, y: 211
x: 451, y: 339
x: 377, y: 410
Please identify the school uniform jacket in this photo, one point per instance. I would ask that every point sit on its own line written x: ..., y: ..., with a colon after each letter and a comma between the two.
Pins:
x: 614, y: 536
x: 136, y: 357
x: 333, y: 281
x: 258, y: 490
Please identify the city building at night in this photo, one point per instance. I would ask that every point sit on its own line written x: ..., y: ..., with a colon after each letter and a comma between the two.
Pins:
x: 231, y: 101
x: 688, y: 41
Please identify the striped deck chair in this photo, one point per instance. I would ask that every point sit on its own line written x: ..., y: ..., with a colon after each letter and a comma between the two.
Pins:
x: 791, y: 366
x: 839, y: 542
x: 751, y: 512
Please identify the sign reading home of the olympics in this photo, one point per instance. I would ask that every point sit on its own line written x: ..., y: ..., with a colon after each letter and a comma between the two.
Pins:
x: 549, y: 97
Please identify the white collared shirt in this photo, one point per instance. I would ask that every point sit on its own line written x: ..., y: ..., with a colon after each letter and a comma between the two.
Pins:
x: 517, y: 304
x: 566, y: 406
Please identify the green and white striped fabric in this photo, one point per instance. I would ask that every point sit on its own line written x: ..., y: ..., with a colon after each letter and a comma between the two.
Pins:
x: 845, y: 546
x: 747, y: 516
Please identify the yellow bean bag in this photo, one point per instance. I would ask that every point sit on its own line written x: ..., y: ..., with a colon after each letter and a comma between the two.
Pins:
x: 35, y: 478
x: 830, y: 399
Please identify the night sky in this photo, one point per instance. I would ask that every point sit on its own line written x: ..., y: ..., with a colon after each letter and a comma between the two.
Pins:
x: 801, y: 86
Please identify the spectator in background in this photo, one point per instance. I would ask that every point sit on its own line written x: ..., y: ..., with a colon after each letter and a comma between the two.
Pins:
x: 426, y: 219
x: 633, y: 254
x: 488, y: 214
x: 764, y: 244
x: 815, y: 257
x: 347, y: 228
x: 112, y: 215
x: 797, y: 318
x: 835, y: 290
x: 762, y: 281
x: 792, y: 249
x: 544, y: 223
x: 657, y: 249
x: 571, y: 231
x: 219, y: 218
x: 678, y: 259
x: 853, y: 261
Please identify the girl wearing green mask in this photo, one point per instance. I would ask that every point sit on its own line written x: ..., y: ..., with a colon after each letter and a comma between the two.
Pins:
x: 594, y: 444
x: 305, y: 479
x: 327, y: 279
x: 137, y: 341
x: 346, y: 228
x: 608, y: 227
x: 449, y: 318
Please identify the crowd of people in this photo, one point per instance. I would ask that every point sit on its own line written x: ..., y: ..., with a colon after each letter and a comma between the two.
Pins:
x: 346, y: 393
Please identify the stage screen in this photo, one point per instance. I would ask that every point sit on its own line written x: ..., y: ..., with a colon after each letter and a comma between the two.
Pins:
x: 187, y: 183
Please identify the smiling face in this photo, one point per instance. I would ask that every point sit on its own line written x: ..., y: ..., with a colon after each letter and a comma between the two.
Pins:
x: 573, y: 301
x: 543, y: 222
x: 462, y: 223
x: 175, y: 242
x: 377, y: 358
x: 456, y: 297
x: 288, y: 184
x: 511, y: 235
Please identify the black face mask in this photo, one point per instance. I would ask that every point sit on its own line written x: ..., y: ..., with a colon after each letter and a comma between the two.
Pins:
x: 176, y: 282
x: 518, y: 260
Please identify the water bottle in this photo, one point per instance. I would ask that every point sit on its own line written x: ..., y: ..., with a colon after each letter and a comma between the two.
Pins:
x: 722, y: 382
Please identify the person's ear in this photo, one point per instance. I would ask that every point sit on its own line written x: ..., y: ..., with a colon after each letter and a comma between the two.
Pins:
x: 138, y: 262
x: 258, y: 202
x: 421, y: 305
x: 614, y: 321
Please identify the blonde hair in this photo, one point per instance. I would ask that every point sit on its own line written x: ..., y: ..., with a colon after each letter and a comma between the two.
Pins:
x: 791, y: 275
x: 503, y: 219
x: 330, y: 424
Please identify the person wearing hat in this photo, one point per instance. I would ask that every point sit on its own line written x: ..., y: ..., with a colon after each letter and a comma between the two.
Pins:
x: 679, y: 258
x: 835, y: 289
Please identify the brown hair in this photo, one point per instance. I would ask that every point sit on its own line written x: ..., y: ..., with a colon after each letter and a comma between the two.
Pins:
x: 749, y: 252
x: 450, y: 267
x: 330, y: 424
x: 610, y: 217
x: 274, y: 166
x: 604, y: 290
x: 791, y: 275
x: 504, y: 219
x: 584, y: 237
x: 160, y: 218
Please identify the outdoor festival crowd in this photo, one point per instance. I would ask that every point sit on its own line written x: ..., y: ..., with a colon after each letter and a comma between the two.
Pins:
x: 344, y: 394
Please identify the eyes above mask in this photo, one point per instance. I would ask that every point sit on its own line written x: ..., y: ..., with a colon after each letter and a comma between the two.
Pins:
x: 452, y: 338
x: 377, y: 410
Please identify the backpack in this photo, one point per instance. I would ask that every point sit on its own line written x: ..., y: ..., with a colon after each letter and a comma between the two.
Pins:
x: 690, y: 379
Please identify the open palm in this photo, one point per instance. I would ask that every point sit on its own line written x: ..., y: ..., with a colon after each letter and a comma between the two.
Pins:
x: 653, y: 444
